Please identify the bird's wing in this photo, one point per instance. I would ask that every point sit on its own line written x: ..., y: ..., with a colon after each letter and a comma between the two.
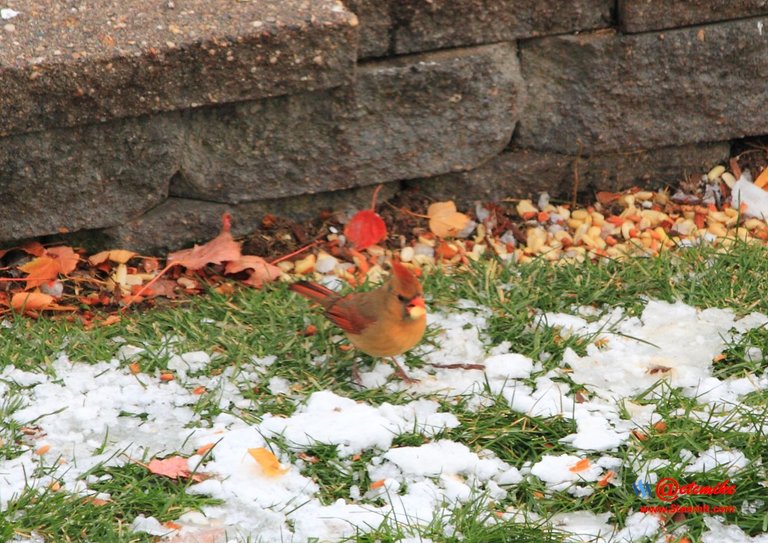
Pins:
x: 349, y: 315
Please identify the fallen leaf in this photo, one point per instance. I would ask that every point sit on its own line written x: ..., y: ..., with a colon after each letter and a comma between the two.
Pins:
x: 171, y: 525
x: 444, y: 220
x: 222, y: 248
x: 762, y: 179
x: 33, y: 248
x: 31, y: 301
x: 377, y: 484
x: 366, y: 228
x: 49, y: 265
x: 269, y: 463
x: 110, y: 320
x: 134, y: 367
x: 606, y: 198
x: 119, y: 256
x: 605, y: 479
x: 261, y: 270
x: 204, y: 448
x: 96, y: 502
x: 41, y: 270
x: 67, y: 258
x: 42, y: 450
x: 581, y: 465
x: 173, y: 467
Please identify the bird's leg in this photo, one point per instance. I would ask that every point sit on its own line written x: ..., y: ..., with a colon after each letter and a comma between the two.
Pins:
x: 356, y: 373
x: 400, y: 372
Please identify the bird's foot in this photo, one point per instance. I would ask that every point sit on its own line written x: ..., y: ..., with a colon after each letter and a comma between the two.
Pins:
x: 400, y: 372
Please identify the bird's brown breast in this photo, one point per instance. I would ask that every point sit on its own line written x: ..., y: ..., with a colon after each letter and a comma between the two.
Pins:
x: 385, y: 338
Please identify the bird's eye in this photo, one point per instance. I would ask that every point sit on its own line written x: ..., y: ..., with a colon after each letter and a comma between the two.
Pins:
x: 402, y: 298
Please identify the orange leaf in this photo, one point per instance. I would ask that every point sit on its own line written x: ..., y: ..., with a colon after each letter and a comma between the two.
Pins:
x: 762, y: 179
x: 269, y: 463
x: 204, y: 448
x: 366, y: 228
x: 172, y: 467
x: 134, y: 367
x: 33, y: 248
x: 262, y: 271
x: 199, y: 390
x: 42, y: 450
x: 171, y: 525
x: 166, y: 376
x: 605, y: 479
x: 377, y: 484
x: 41, y: 270
x: 110, y: 320
x: 222, y: 248
x: 605, y: 197
x: 67, y: 258
x: 444, y: 220
x: 31, y: 301
x: 581, y: 465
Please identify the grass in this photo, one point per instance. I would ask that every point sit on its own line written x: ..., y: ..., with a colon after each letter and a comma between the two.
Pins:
x: 250, y: 324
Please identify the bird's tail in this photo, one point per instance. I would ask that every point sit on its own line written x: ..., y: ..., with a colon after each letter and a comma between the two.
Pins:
x: 313, y: 291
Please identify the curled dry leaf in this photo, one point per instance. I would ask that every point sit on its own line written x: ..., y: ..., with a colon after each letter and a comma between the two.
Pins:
x: 261, y: 270
x: 445, y: 221
x: 269, y: 463
x: 222, y: 248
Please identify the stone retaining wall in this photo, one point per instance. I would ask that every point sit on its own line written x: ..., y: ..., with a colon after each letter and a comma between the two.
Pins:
x: 138, y: 122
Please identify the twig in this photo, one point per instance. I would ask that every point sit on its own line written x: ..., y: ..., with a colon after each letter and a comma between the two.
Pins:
x: 375, y: 195
x: 296, y: 252
x: 576, y: 178
x: 143, y: 289
x: 458, y: 366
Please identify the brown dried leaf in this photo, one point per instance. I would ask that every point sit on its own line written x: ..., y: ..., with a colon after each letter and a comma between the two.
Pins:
x: 262, y: 271
x: 444, y: 220
x: 222, y: 248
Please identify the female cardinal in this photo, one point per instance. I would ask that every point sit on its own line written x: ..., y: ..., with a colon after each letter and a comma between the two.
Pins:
x: 386, y: 321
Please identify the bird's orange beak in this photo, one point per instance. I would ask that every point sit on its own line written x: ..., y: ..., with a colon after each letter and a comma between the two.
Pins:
x: 417, y: 308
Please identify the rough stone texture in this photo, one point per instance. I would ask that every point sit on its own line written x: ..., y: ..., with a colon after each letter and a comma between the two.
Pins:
x: 525, y: 173
x: 389, y: 27
x: 178, y: 222
x: 84, y: 177
x: 410, y: 117
x: 644, y: 15
x: 71, y: 63
x: 605, y: 92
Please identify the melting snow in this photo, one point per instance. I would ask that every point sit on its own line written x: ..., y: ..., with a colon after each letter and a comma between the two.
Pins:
x: 79, y: 407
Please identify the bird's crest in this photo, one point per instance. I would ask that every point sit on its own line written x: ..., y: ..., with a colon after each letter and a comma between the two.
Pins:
x: 405, y: 278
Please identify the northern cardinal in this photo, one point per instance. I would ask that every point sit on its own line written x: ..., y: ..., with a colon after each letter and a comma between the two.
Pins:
x: 386, y: 321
